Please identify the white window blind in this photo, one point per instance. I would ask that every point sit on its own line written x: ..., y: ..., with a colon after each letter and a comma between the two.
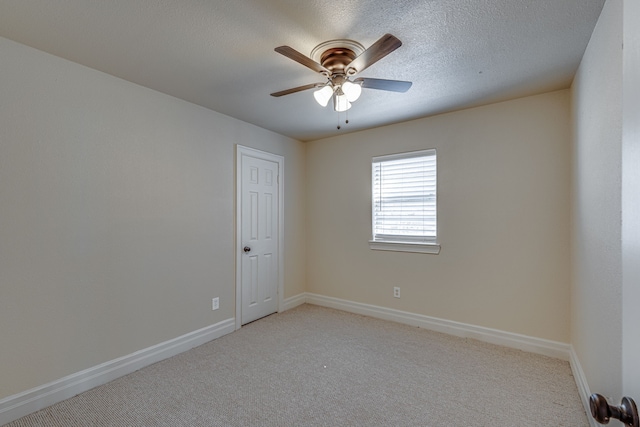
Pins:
x: 404, y: 197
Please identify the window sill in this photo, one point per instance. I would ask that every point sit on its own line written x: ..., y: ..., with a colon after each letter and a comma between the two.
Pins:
x: 423, y: 248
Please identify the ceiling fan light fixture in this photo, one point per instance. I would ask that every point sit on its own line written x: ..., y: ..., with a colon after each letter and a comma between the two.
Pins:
x: 323, y: 95
x: 351, y: 90
x: 340, y: 101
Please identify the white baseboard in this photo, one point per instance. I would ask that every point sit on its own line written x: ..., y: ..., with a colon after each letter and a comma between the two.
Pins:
x: 508, y: 339
x: 19, y: 405
x: 581, y: 383
x: 293, y: 302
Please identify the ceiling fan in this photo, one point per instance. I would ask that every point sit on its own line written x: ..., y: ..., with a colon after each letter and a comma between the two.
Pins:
x: 338, y: 61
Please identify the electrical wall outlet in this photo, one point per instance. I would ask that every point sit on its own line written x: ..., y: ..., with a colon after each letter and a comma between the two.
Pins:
x: 215, y: 303
x: 396, y: 292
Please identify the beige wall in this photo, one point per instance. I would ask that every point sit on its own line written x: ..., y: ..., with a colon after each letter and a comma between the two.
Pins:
x: 116, y: 216
x: 596, y: 317
x: 503, y: 218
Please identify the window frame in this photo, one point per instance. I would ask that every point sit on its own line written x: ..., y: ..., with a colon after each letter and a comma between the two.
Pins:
x: 399, y: 243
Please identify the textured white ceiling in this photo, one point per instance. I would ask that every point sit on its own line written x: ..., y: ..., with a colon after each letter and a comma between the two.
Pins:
x: 219, y: 53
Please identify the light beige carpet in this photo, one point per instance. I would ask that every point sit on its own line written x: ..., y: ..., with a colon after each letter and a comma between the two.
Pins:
x: 313, y: 366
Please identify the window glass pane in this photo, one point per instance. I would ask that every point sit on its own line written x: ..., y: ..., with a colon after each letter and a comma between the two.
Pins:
x: 404, y: 197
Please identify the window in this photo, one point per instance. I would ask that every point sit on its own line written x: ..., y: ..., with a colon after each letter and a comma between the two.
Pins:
x: 404, y: 210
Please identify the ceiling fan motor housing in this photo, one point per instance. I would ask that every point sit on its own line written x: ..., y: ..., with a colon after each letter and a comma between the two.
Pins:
x: 336, y: 59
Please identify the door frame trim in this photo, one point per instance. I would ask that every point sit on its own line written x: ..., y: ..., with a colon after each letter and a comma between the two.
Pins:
x: 252, y: 152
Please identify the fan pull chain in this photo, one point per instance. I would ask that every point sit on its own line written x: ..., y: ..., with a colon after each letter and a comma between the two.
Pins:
x: 346, y: 122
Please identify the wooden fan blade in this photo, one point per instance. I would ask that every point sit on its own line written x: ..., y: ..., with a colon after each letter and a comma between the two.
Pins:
x: 291, y: 53
x: 382, y: 84
x: 384, y: 46
x: 297, y: 89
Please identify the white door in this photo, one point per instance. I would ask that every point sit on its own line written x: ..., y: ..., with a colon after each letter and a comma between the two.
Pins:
x: 258, y: 243
x: 631, y: 202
